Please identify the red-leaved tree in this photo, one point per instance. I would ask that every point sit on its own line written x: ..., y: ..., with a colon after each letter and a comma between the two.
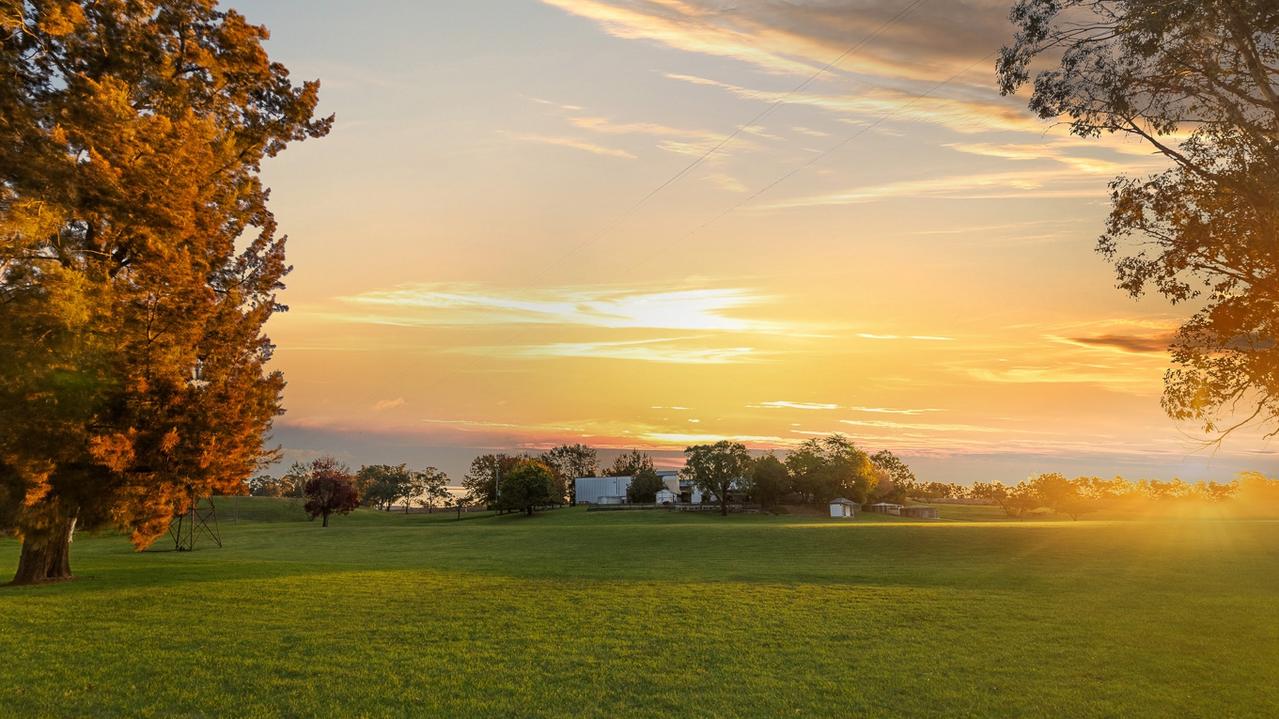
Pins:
x: 330, y: 489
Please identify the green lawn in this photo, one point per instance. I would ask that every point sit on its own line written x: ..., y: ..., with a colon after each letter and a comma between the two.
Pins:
x: 652, y: 614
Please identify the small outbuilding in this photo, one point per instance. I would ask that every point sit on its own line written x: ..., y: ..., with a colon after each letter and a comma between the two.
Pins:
x: 920, y: 512
x: 841, y: 507
x: 666, y: 496
x: 886, y: 508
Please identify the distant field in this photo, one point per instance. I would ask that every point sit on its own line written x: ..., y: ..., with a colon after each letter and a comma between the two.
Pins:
x: 653, y: 614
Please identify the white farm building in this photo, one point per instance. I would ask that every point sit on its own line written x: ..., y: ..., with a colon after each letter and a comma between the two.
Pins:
x: 612, y: 490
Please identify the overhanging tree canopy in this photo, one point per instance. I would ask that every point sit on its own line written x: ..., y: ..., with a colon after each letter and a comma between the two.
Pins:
x: 138, y: 262
x: 1206, y: 230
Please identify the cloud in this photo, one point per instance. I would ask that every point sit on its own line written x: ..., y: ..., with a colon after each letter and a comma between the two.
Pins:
x: 570, y: 142
x: 919, y: 338
x: 681, y: 438
x: 1125, y: 343
x: 883, y: 424
x: 727, y: 182
x: 703, y: 309
x: 962, y: 115
x: 665, y: 350
x: 1057, y: 152
x: 810, y: 132
x: 889, y: 410
x: 386, y: 404
x: 1068, y: 374
x: 800, y: 36
x: 987, y: 186
x: 783, y: 404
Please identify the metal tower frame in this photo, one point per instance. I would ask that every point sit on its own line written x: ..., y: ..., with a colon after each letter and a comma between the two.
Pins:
x: 201, y: 519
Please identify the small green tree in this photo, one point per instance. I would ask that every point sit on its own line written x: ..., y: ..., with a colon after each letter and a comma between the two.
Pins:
x: 901, y: 480
x: 644, y: 486
x: 380, y: 485
x: 527, y: 486
x: 434, y: 489
x: 769, y: 480
x: 481, y: 482
x: 715, y: 468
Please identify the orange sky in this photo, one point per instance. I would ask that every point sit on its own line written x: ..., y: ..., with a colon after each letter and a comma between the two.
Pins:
x: 886, y: 248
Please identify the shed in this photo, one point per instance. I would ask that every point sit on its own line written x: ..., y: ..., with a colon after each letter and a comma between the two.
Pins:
x: 886, y: 508
x: 920, y: 512
x: 841, y: 507
x: 666, y: 496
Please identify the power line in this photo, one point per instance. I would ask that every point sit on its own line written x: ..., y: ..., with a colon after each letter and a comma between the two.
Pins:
x: 834, y: 148
x: 906, y: 9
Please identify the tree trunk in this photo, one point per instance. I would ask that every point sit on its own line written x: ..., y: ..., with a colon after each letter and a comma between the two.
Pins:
x: 46, y: 556
x: 529, y: 510
x: 326, y: 519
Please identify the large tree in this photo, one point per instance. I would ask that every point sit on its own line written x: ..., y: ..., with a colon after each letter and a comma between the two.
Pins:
x: 481, y: 482
x: 1198, y: 82
x: 901, y: 480
x: 570, y: 461
x: 138, y: 262
x: 382, y: 485
x: 769, y: 480
x: 628, y: 464
x: 528, y: 485
x: 717, y: 468
x: 832, y: 466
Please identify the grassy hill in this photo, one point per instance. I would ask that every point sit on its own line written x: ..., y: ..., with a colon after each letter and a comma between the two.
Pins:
x: 652, y: 614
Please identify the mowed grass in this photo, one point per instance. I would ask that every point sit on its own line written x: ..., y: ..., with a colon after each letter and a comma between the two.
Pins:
x: 608, y: 614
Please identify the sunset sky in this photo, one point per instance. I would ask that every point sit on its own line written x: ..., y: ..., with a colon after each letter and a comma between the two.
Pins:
x: 499, y: 246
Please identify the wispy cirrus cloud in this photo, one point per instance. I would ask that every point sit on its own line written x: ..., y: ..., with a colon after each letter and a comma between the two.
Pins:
x: 571, y: 143
x: 919, y: 338
x: 896, y: 410
x: 666, y: 350
x: 958, y: 114
x: 1123, y: 343
x: 983, y: 186
x: 700, y: 309
x: 799, y: 36
x: 784, y: 404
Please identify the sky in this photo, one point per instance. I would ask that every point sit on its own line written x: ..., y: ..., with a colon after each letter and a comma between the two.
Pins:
x: 653, y: 223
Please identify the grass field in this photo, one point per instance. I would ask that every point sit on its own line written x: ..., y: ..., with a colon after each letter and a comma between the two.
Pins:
x: 651, y: 614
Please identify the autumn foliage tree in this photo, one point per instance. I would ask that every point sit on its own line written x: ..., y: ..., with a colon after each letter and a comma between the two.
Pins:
x: 138, y: 263
x: 330, y: 489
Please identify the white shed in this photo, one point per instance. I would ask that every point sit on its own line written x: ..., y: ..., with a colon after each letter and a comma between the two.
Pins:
x: 666, y: 496
x: 841, y: 507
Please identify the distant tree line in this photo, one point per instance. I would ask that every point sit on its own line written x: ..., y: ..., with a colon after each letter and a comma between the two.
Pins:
x: 1053, y: 492
x: 378, y: 485
x: 814, y: 473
